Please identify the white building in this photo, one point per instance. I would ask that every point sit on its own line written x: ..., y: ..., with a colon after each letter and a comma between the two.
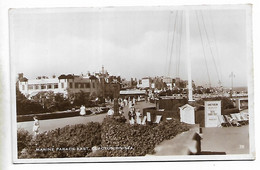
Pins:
x: 168, y: 82
x: 65, y: 84
x: 145, y: 83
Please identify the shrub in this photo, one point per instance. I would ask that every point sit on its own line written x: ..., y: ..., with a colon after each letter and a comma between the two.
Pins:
x: 70, y: 141
x: 23, y: 138
x: 122, y: 139
x: 112, y: 138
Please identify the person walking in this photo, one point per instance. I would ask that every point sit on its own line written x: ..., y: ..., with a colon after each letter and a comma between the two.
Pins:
x: 138, y: 116
x: 130, y: 104
x: 134, y: 100
x: 82, y: 110
x: 121, y: 112
x: 125, y: 100
x: 36, y: 125
x: 110, y: 112
x: 131, y: 116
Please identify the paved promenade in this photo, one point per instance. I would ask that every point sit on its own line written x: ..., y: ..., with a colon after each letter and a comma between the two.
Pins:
x: 231, y: 140
x: 50, y: 124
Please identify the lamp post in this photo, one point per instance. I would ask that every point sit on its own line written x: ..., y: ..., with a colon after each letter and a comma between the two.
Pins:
x: 231, y: 90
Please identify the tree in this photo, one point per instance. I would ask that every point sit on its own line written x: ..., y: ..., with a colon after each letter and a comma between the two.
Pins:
x: 61, y: 103
x: 26, y: 106
x: 46, y: 99
x: 82, y: 98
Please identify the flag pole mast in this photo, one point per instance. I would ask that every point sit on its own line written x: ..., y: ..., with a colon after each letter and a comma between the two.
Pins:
x: 188, y: 55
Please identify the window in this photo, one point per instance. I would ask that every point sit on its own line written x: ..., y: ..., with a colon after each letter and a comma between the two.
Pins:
x: 87, y: 85
x: 36, y: 87
x: 76, y: 85
x: 56, y: 86
x: 30, y: 87
x: 49, y: 86
x: 62, y: 85
x: 71, y: 85
x: 43, y: 87
x: 81, y: 85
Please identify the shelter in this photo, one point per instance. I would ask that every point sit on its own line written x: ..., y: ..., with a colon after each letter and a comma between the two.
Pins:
x: 187, y: 114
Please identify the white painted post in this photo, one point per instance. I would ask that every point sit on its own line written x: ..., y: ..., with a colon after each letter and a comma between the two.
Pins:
x: 188, y: 55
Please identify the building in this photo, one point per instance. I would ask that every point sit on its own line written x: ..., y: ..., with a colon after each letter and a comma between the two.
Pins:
x: 65, y: 84
x: 168, y: 81
x: 145, y: 83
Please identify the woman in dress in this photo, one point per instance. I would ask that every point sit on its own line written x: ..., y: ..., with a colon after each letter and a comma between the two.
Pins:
x: 125, y: 100
x: 121, y: 112
x: 36, y: 125
x: 131, y: 116
x: 82, y: 110
x: 138, y: 117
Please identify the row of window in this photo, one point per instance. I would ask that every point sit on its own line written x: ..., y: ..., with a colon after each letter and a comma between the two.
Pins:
x: 81, y: 85
x: 44, y: 86
x: 56, y: 86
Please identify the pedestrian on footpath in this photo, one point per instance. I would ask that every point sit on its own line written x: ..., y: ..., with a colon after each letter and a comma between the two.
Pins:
x: 125, y: 100
x: 121, y: 112
x: 138, y: 117
x: 130, y: 104
x: 134, y: 100
x: 131, y: 116
x: 36, y: 126
x: 110, y: 112
x: 82, y: 110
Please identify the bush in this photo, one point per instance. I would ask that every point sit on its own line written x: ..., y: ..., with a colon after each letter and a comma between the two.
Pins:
x: 70, y: 141
x: 23, y: 138
x: 125, y: 140
x: 112, y: 138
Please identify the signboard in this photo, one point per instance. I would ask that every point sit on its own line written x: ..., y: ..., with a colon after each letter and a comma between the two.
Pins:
x: 212, y: 110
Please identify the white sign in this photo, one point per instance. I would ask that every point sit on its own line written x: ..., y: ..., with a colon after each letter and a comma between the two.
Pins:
x: 212, y: 110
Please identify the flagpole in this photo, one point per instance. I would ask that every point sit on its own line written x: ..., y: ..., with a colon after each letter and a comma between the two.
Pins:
x: 188, y: 55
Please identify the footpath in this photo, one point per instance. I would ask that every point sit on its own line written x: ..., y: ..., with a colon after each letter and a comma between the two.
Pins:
x: 225, y: 140
x: 46, y: 125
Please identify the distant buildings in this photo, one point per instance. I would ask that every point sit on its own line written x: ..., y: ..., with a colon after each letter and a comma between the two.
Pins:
x: 64, y: 84
x: 97, y: 84
x: 162, y: 83
x: 145, y: 82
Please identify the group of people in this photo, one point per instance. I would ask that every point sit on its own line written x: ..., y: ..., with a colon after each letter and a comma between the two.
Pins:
x: 135, y: 116
x: 128, y: 102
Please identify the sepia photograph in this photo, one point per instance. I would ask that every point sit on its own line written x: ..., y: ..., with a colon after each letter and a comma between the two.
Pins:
x: 132, y: 84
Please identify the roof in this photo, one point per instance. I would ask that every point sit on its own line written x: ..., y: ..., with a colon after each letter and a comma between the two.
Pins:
x: 134, y: 91
x: 63, y: 76
x: 93, y: 77
x: 43, y: 81
x: 24, y: 79
x: 186, y: 106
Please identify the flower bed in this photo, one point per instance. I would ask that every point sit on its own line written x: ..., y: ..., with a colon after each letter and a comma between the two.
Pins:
x: 127, y: 140
x: 70, y: 141
x: 111, y: 138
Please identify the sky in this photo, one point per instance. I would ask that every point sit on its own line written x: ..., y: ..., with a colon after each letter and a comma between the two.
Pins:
x: 130, y: 43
